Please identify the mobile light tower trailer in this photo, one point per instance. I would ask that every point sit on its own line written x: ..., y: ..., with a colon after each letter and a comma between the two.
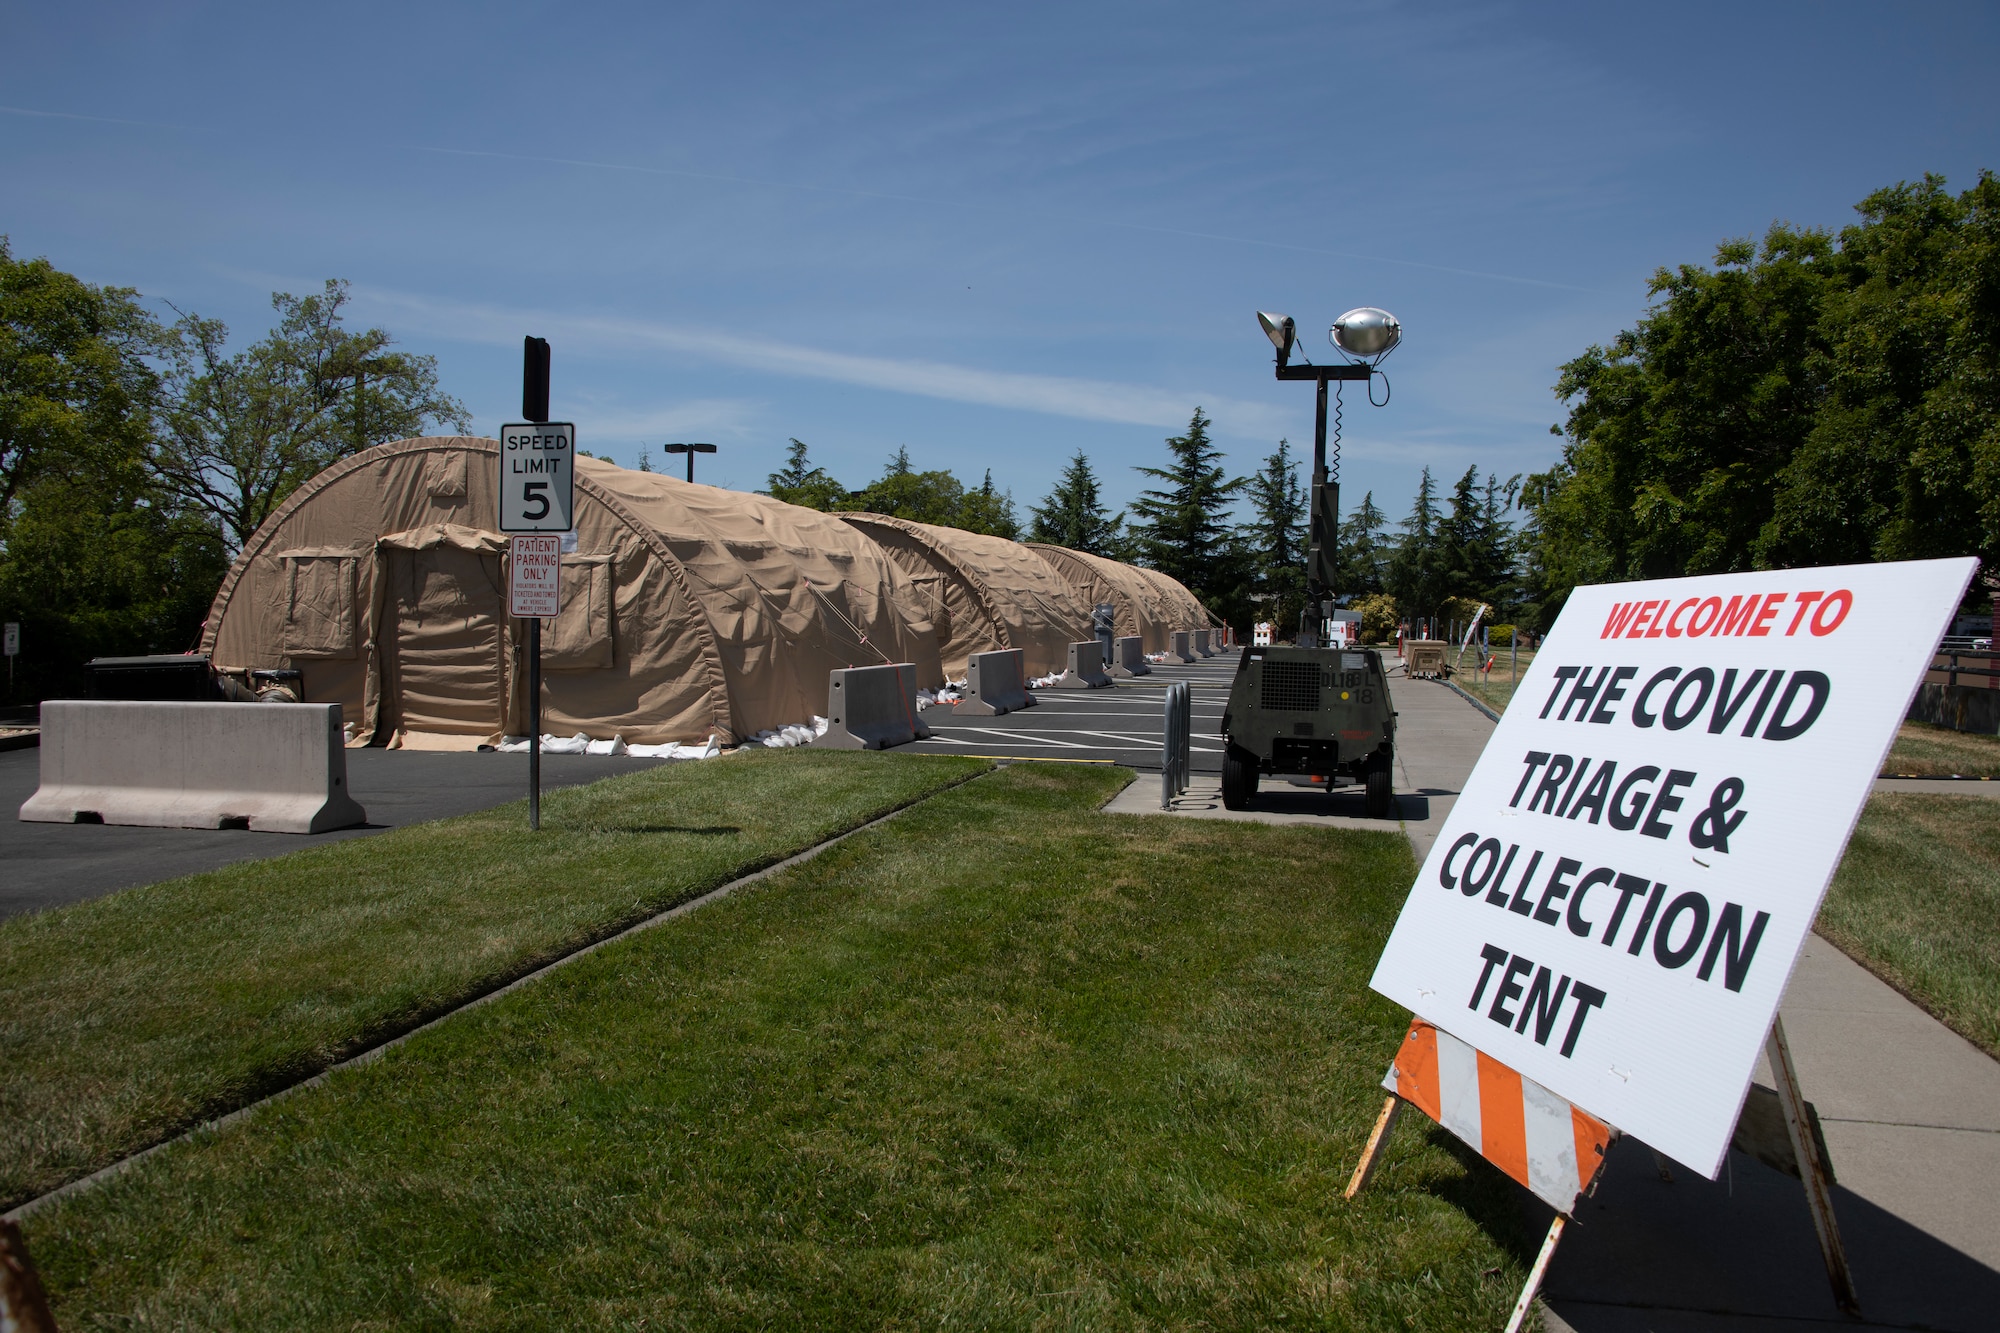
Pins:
x: 1304, y: 710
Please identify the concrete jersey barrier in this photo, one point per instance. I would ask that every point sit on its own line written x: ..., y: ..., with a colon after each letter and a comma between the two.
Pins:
x: 272, y: 768
x: 1085, y: 669
x: 1177, y: 647
x: 1130, y: 659
x: 995, y: 683
x: 1960, y: 707
x: 1201, y: 648
x: 871, y: 708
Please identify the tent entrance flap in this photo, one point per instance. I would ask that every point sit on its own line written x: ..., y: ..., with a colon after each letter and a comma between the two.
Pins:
x: 446, y: 671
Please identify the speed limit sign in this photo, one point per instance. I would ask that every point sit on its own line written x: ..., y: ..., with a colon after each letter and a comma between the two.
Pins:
x: 538, y: 477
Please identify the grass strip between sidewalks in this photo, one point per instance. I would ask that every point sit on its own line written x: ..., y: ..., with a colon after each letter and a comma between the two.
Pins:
x: 1920, y: 749
x: 130, y: 1018
x: 1925, y: 751
x: 1003, y: 1062
x: 1917, y: 902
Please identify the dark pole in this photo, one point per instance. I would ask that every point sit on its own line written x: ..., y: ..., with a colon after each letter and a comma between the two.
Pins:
x: 1325, y: 516
x: 690, y: 463
x: 534, y: 723
x: 535, y: 407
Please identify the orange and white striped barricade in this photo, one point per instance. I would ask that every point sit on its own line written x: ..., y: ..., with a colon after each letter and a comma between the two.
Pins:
x: 1554, y: 1148
x: 1557, y: 1149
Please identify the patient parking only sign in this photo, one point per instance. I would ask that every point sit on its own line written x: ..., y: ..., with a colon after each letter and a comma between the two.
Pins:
x: 534, y: 577
x: 1618, y: 896
x: 538, y: 477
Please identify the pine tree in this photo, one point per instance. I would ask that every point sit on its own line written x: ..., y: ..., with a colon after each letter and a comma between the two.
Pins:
x: 1181, y: 529
x: 1415, y: 569
x: 1276, y: 537
x: 1072, y: 514
x: 800, y: 483
x: 1499, y: 546
x: 990, y: 511
x: 1363, y: 551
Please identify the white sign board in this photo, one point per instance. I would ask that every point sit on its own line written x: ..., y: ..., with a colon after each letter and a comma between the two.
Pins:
x: 10, y: 640
x: 534, y: 577
x: 1618, y: 896
x: 538, y: 477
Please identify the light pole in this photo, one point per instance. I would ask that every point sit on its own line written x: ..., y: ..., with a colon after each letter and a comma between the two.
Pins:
x: 1366, y: 335
x: 690, y: 450
x: 380, y: 365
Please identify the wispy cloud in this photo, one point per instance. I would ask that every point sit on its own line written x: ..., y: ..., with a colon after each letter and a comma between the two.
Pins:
x: 697, y: 418
x: 1054, y: 395
x: 98, y: 120
x: 1072, y: 218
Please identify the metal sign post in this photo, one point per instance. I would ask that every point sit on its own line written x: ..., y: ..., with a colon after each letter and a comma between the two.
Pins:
x: 10, y: 644
x: 537, y: 495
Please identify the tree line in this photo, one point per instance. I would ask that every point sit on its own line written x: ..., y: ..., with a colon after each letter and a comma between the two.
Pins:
x: 1815, y: 397
x: 900, y: 492
x: 138, y: 453
x: 1821, y: 397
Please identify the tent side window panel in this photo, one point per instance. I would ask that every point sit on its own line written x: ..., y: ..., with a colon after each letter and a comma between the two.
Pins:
x: 319, y: 605
x: 580, y: 639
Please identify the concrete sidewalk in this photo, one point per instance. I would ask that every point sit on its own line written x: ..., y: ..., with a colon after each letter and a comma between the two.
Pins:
x: 1910, y: 1110
x: 1438, y: 739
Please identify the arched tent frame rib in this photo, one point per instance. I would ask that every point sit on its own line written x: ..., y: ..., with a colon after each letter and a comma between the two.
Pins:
x: 972, y: 580
x: 1126, y: 583
x: 713, y: 681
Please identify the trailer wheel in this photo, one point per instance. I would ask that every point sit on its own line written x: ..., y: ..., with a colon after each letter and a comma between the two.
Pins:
x: 1239, y: 778
x: 1375, y: 801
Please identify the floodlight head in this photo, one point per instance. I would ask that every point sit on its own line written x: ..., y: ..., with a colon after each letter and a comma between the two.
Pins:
x: 1368, y: 334
x: 1280, y: 330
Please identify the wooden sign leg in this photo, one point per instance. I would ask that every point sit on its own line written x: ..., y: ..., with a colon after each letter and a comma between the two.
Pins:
x: 1378, y: 1143
x: 1536, y: 1274
x: 1812, y: 1169
x: 23, y: 1307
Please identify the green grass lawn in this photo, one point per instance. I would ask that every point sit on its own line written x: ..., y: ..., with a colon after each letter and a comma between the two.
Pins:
x: 1917, y: 902
x: 1922, y: 750
x: 1003, y: 1062
x: 1495, y: 688
x: 129, y: 1018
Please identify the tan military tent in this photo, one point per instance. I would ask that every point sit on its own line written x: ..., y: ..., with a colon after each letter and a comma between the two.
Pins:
x: 1182, y: 606
x: 686, y: 609
x: 1140, y: 607
x: 982, y: 592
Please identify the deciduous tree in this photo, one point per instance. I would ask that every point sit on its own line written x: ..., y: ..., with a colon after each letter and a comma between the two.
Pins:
x: 1815, y: 398
x: 239, y: 432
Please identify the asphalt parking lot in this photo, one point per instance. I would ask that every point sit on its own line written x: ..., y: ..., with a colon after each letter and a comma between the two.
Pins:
x: 1119, y: 725
x: 47, y: 865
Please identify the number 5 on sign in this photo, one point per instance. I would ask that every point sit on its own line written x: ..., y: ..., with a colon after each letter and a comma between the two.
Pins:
x: 537, y: 476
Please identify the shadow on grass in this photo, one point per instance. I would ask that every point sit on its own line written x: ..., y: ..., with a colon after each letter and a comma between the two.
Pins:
x: 1492, y: 1200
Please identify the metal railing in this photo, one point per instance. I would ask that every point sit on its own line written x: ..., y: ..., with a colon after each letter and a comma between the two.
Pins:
x: 1176, y: 748
x: 1982, y: 668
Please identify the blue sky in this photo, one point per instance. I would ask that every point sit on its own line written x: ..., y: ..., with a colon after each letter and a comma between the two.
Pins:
x: 995, y: 235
